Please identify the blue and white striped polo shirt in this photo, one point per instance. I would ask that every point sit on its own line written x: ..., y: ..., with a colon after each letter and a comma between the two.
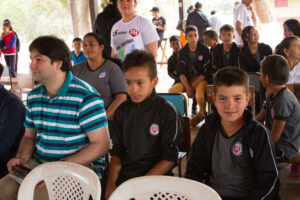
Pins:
x: 62, y: 122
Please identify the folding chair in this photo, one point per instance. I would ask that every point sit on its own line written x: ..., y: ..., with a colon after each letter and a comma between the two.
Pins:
x: 210, y: 93
x: 179, y: 101
x: 64, y: 180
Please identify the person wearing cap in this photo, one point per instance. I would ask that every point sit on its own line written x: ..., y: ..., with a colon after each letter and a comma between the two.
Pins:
x: 8, y: 47
x: 159, y: 23
x: 132, y: 32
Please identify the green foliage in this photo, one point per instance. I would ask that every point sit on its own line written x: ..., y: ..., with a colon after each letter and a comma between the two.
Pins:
x: 32, y: 18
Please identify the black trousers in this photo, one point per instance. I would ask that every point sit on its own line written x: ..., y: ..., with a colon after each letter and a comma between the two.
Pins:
x: 11, y: 64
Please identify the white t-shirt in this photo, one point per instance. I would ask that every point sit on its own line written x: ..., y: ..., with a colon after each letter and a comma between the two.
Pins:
x: 216, y: 22
x: 243, y: 15
x: 295, y: 75
x: 135, y: 34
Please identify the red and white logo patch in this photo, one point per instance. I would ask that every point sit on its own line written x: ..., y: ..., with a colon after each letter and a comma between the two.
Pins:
x: 133, y: 32
x: 154, y: 129
x: 237, y: 149
x: 200, y: 57
x: 102, y: 74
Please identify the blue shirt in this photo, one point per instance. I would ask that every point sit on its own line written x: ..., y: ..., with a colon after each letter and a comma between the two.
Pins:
x: 63, y: 121
x: 78, y: 59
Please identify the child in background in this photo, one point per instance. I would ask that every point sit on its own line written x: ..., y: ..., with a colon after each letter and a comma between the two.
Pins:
x: 192, y: 74
x: 77, y: 54
x: 281, y: 113
x: 227, y: 53
x: 252, y: 53
x: 210, y: 38
x: 233, y: 153
x: 175, y: 44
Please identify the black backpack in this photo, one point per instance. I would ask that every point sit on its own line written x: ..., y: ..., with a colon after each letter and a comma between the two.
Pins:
x: 17, y: 42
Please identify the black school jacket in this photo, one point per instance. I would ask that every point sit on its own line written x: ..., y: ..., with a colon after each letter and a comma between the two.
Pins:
x: 218, y: 61
x: 246, y: 60
x: 185, y: 64
x: 255, y: 137
x: 144, y: 134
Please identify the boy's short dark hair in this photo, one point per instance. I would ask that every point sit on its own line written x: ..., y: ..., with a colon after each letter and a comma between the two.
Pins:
x: 227, y: 27
x: 230, y: 76
x: 211, y: 34
x: 174, y: 38
x: 190, y: 28
x: 276, y: 68
x: 139, y: 58
x: 198, y: 5
x: 54, y: 48
x: 77, y: 39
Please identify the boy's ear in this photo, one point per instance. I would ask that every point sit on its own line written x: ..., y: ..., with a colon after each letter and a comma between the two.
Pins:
x: 249, y: 96
x: 233, y: 37
x: 154, y: 82
x: 268, y: 80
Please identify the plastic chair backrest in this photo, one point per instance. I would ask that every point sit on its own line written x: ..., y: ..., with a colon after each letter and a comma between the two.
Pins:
x: 163, y: 188
x: 178, y: 100
x: 64, y: 180
x: 254, y: 80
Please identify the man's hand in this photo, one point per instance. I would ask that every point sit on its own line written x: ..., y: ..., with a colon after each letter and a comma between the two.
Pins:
x: 15, y: 162
x: 190, y: 92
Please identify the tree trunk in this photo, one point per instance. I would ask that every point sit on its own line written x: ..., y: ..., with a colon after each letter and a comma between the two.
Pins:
x: 84, y: 22
x: 83, y: 15
x: 264, y: 11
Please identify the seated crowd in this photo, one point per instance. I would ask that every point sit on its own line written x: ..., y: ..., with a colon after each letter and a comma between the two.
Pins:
x: 78, y: 107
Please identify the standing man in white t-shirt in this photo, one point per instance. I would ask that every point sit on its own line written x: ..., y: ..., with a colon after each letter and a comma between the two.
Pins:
x: 244, y: 15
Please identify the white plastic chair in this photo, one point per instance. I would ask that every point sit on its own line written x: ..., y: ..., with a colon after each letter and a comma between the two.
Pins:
x: 163, y: 187
x: 64, y: 180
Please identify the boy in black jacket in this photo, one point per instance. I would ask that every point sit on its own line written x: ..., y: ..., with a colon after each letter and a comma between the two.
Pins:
x: 146, y: 129
x: 192, y: 74
x: 233, y: 153
x: 226, y: 54
x: 175, y: 44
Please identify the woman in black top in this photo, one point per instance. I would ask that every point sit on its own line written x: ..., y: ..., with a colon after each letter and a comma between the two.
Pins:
x: 253, y: 52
